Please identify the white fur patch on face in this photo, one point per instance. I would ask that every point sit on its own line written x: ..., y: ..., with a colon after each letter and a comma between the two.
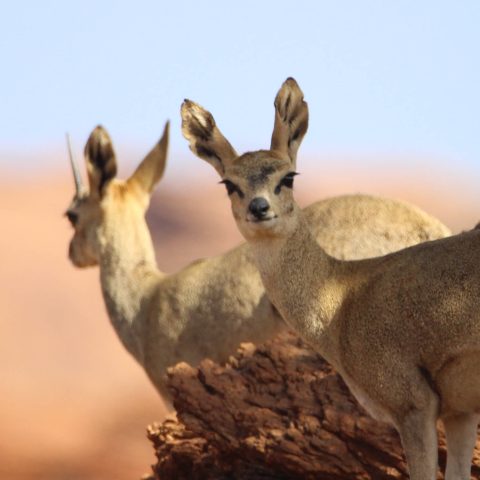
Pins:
x: 263, y: 223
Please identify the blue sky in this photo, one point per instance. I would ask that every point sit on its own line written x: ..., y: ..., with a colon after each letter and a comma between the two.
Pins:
x: 400, y: 77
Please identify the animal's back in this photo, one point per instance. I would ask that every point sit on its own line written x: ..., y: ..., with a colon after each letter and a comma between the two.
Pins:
x: 353, y: 227
x: 213, y: 305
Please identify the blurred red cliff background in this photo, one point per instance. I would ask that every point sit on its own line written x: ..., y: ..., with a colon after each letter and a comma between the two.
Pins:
x: 73, y: 403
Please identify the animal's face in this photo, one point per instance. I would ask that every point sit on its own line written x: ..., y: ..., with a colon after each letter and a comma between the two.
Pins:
x: 259, y: 183
x: 260, y: 187
x: 85, y: 216
x: 97, y: 220
x: 108, y: 209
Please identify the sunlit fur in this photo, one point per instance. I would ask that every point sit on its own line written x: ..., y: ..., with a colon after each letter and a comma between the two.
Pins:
x: 403, y: 330
x: 209, y: 307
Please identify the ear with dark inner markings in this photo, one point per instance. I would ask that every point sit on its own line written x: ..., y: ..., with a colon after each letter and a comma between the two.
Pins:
x: 291, y: 120
x: 100, y: 159
x: 152, y: 167
x: 205, y: 139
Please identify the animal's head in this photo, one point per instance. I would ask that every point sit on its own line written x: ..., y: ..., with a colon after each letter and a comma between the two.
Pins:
x: 109, y: 208
x: 259, y: 183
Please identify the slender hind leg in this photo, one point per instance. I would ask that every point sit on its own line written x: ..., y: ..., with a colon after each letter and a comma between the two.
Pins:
x: 419, y: 438
x: 461, y: 433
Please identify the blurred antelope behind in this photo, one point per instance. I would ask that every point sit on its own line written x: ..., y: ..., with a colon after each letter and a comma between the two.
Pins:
x: 209, y: 307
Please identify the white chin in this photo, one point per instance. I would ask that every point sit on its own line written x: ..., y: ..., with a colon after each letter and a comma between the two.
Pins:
x: 262, y: 223
x: 251, y: 229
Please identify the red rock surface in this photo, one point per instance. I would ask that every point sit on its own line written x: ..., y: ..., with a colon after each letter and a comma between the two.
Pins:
x: 277, y: 411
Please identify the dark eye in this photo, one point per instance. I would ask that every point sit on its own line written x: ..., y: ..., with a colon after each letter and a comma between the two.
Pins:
x: 72, y: 217
x: 286, y: 181
x: 232, y: 188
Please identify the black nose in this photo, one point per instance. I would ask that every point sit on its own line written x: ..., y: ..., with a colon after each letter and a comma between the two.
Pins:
x: 259, y: 207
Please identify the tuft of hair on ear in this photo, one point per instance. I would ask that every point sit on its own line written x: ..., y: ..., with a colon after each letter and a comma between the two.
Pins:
x: 291, y: 119
x: 204, y: 138
x: 197, y: 122
x: 100, y: 158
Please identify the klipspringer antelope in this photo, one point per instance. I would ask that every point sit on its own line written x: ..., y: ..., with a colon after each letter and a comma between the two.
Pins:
x: 209, y: 307
x: 403, y: 330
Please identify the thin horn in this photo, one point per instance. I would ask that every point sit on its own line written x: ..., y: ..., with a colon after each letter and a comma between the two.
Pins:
x: 76, y: 173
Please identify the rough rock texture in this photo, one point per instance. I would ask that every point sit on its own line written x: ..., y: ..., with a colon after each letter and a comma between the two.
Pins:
x: 277, y: 411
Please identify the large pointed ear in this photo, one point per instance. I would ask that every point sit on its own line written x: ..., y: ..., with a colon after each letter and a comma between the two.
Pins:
x: 205, y: 139
x: 100, y: 159
x: 150, y: 171
x: 291, y: 120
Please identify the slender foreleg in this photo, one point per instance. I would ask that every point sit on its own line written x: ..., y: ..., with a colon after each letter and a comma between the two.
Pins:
x: 418, y: 432
x: 461, y: 433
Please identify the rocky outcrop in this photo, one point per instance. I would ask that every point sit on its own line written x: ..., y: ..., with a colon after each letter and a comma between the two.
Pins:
x: 277, y: 411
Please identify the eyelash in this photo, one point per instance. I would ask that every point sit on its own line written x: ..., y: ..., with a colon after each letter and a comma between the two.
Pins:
x: 286, y: 181
x: 232, y: 188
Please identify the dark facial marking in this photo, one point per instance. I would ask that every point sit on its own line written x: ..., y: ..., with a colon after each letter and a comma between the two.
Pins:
x: 260, y: 177
x: 286, y: 181
x: 232, y: 188
x: 72, y: 217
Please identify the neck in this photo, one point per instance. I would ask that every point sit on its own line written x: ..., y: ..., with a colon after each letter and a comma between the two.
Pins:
x: 301, y: 280
x: 128, y: 275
